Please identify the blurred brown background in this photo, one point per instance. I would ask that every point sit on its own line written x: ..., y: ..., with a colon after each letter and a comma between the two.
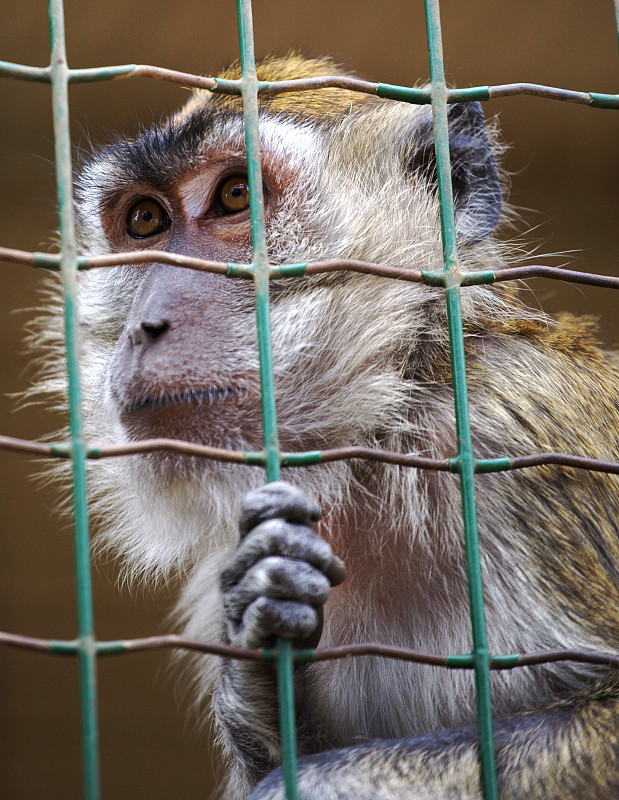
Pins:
x: 565, y: 165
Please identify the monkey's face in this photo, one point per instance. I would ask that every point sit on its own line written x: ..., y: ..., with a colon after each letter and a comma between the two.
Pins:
x: 184, y: 366
x: 182, y: 355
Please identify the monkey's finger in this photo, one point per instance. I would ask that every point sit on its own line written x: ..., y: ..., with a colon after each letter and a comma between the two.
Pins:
x: 279, y: 538
x: 279, y: 578
x: 276, y: 499
x: 266, y: 618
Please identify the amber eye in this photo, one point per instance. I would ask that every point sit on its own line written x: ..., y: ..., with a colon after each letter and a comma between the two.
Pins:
x: 233, y: 194
x: 147, y: 218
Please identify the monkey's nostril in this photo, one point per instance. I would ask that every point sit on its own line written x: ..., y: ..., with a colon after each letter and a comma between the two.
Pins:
x: 148, y: 332
x: 154, y: 330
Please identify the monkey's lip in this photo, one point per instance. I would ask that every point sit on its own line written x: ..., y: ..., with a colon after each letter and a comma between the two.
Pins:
x: 195, y: 398
x: 204, y: 416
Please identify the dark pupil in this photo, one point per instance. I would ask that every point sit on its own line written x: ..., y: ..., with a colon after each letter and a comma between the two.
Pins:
x: 237, y: 191
x: 146, y: 216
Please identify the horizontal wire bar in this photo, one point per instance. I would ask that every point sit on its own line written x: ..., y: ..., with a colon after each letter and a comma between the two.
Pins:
x: 327, y: 82
x: 482, y: 466
x: 166, y: 641
x: 551, y: 656
x: 554, y: 273
x: 389, y: 91
x: 32, y: 259
x: 372, y: 454
x: 63, y: 450
x: 365, y: 267
x: 33, y: 448
x: 174, y: 641
x: 173, y: 446
x: 43, y: 74
x: 561, y: 459
x: 487, y: 276
x: 51, y: 261
x: 173, y: 76
x: 24, y: 72
x: 538, y: 90
x: 422, y: 95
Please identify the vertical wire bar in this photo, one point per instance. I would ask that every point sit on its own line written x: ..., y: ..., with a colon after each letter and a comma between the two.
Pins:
x: 267, y: 384
x: 617, y: 18
x: 258, y: 232
x: 463, y: 428
x: 86, y: 653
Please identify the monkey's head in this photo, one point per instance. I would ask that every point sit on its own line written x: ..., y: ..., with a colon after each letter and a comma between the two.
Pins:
x: 172, y: 353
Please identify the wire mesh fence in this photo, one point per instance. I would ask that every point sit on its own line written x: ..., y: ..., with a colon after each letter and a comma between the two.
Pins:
x: 271, y: 458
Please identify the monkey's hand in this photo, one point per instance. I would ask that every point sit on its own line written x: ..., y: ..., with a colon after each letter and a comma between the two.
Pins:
x: 282, y: 572
x: 275, y: 584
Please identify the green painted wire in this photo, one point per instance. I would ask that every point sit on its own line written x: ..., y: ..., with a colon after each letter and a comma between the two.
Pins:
x: 463, y: 427
x: 86, y: 647
x: 267, y: 385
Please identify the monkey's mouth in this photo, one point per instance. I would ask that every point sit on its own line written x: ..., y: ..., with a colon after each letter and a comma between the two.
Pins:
x: 196, y: 398
x: 221, y: 417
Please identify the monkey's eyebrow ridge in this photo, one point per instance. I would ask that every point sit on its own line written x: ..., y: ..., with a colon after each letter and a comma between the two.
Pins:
x: 161, y: 155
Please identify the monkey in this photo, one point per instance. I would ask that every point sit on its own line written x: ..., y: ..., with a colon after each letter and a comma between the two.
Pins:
x: 358, y: 360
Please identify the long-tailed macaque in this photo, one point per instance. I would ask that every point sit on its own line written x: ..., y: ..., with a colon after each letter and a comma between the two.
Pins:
x: 359, y: 360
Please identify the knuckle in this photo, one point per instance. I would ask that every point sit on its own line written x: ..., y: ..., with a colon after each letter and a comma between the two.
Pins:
x: 289, y: 579
x: 268, y: 575
x: 267, y: 617
x: 275, y: 500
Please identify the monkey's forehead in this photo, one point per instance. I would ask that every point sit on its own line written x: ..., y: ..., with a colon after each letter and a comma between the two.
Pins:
x: 320, y: 105
x: 186, y: 145
x: 164, y: 152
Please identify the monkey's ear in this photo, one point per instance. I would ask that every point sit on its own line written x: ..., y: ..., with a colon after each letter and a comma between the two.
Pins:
x: 474, y: 173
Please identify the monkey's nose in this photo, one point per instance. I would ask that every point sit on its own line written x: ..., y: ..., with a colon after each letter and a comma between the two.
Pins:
x: 148, y: 332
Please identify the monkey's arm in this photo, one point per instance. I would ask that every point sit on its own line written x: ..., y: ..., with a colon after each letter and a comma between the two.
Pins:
x: 275, y: 585
x: 566, y: 753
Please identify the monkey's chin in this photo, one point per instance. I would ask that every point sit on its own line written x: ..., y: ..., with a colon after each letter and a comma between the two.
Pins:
x: 224, y: 418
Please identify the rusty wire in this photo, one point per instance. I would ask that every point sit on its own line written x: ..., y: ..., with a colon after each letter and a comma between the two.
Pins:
x: 176, y: 642
x: 51, y: 261
x: 499, y: 464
